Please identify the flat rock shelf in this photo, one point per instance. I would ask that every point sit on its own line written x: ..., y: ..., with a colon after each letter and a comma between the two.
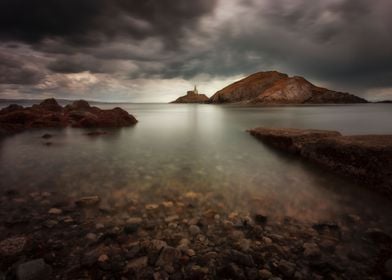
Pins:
x: 365, y: 158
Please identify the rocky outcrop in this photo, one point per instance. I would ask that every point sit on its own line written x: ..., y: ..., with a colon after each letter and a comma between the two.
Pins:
x: 192, y: 97
x: 49, y: 113
x: 277, y: 88
x: 366, y: 158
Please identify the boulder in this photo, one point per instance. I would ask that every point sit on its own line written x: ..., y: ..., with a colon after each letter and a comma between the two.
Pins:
x: 365, y: 158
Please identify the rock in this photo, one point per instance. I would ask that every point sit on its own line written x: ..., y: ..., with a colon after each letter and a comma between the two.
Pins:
x: 91, y: 236
x: 265, y: 274
x: 366, y: 158
x: 272, y: 87
x: 379, y: 236
x: 311, y: 250
x: 231, y: 271
x: 49, y: 114
x: 260, y: 219
x: 192, y: 97
x: 171, y: 219
x: 388, y: 268
x: 151, y: 206
x: 241, y: 258
x: 12, y: 246
x: 327, y: 245
x: 88, y: 201
x: 47, y: 136
x: 55, y: 211
x: 168, y: 256
x: 137, y: 264
x: 194, y: 230
x: 286, y: 268
x: 131, y: 228
x: 34, y: 270
x: 103, y: 258
x: 190, y: 252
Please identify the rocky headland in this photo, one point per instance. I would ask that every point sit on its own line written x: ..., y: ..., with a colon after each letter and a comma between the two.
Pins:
x: 192, y: 97
x: 365, y: 158
x: 273, y: 87
x: 49, y: 114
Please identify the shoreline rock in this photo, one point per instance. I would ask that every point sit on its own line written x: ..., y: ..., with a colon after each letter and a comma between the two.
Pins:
x: 365, y: 158
x: 49, y: 114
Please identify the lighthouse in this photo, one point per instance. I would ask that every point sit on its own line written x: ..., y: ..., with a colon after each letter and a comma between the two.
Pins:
x: 195, y: 90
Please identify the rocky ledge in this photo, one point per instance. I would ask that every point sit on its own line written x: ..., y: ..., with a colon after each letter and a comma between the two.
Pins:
x: 49, y: 113
x: 366, y: 158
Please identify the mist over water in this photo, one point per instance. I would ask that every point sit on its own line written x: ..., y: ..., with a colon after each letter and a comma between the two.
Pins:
x: 200, y: 148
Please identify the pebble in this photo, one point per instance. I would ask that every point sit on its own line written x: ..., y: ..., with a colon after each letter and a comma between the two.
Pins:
x: 137, y: 264
x: 261, y: 219
x: 88, y: 201
x: 286, y: 268
x: 134, y: 220
x: 311, y: 250
x: 191, y: 253
x: 91, y: 236
x: 55, y: 211
x: 151, y: 206
x: 99, y: 226
x: 168, y: 204
x: 12, y: 246
x: 265, y: 274
x: 34, y: 270
x: 168, y: 256
x: 194, y: 230
x: 103, y: 258
x: 171, y: 219
x: 388, y: 268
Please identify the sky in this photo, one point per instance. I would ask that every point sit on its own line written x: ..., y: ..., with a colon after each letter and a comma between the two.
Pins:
x: 156, y: 50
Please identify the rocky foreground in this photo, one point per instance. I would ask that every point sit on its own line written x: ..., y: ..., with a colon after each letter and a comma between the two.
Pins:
x: 273, y: 87
x: 365, y: 158
x: 49, y: 114
x: 182, y: 235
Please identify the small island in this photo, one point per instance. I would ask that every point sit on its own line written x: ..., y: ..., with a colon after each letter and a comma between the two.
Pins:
x: 272, y: 88
x: 192, y: 96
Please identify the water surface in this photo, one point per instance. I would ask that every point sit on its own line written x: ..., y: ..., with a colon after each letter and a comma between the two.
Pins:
x: 201, y: 148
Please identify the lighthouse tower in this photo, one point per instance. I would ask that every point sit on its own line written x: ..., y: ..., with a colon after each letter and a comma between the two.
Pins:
x: 195, y: 90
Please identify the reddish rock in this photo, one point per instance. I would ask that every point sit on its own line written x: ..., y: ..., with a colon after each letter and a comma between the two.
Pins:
x: 277, y: 88
x: 49, y: 113
x: 365, y: 158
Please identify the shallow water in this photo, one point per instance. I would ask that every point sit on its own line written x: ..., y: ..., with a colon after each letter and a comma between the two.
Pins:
x: 201, y: 148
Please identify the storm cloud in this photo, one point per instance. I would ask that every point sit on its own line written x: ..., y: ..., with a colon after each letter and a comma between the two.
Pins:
x: 129, y: 50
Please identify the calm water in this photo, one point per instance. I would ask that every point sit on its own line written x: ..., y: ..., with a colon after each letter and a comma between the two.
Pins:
x: 200, y: 148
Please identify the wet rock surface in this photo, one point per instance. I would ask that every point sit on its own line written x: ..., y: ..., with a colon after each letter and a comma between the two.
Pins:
x: 176, y: 234
x: 365, y: 158
x: 49, y: 114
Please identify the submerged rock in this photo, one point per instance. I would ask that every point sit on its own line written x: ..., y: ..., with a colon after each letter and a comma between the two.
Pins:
x: 366, y: 158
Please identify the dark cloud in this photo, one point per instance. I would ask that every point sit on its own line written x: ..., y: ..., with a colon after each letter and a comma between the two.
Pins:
x: 90, y: 22
x: 14, y: 71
